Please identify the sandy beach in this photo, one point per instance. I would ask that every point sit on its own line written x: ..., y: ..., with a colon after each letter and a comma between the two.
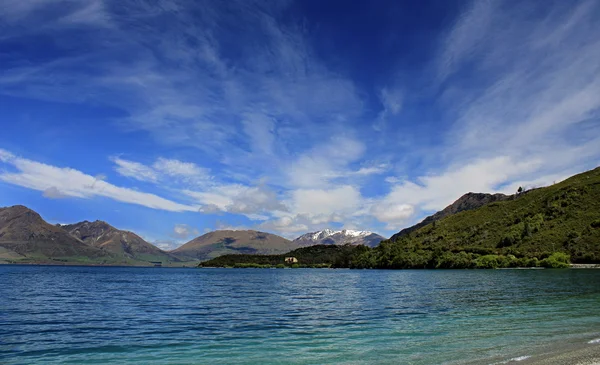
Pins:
x: 584, y: 355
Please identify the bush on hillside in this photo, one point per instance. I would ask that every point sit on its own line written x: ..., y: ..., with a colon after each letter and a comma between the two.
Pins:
x: 557, y: 260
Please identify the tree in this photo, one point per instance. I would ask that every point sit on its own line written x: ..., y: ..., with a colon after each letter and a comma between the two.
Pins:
x: 519, y: 190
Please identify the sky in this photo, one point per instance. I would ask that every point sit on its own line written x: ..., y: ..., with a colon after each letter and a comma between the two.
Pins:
x: 175, y: 118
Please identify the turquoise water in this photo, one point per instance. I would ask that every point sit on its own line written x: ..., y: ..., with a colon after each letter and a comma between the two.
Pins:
x: 98, y: 315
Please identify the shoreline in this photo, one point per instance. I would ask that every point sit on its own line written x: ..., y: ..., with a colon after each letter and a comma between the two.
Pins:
x: 572, y: 266
x: 585, y: 351
x: 585, y: 266
x: 587, y: 354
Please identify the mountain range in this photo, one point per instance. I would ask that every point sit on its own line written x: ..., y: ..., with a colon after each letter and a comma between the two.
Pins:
x: 561, y: 218
x: 331, y: 237
x: 123, y: 244
x: 26, y: 238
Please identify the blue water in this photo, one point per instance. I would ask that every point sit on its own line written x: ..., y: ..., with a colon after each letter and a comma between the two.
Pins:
x: 100, y: 315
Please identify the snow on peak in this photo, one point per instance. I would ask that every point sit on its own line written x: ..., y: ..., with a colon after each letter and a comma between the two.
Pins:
x: 352, y: 233
x: 321, y: 234
x: 315, y: 236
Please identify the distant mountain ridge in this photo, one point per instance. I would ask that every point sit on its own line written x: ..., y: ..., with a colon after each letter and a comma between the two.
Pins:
x: 24, y: 235
x: 122, y: 243
x: 346, y: 236
x: 217, y: 243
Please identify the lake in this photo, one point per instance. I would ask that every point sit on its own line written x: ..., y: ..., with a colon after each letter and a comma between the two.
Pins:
x: 98, y: 315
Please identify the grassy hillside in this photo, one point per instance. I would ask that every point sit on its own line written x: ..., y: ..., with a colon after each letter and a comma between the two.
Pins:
x: 563, y: 218
x: 224, y: 242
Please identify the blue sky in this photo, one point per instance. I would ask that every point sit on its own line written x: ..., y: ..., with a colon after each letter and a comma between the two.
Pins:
x: 173, y: 118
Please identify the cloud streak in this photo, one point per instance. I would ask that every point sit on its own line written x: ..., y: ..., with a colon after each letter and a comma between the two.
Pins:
x: 282, y: 135
x: 57, y: 182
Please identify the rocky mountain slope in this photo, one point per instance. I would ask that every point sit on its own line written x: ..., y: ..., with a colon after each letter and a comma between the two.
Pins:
x: 26, y: 237
x: 217, y: 243
x: 331, y: 237
x: 120, y: 243
x: 469, y: 201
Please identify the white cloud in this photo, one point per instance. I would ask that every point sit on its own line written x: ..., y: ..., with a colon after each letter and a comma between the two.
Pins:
x: 167, y: 245
x: 88, y: 12
x: 314, y: 209
x: 216, y: 197
x: 538, y: 81
x: 255, y: 200
x: 287, y: 225
x: 393, y: 214
x: 519, y: 101
x: 277, y: 91
x: 326, y: 201
x: 163, y: 169
x: 321, y: 165
x: 53, y: 193
x: 251, y: 201
x: 370, y: 170
x: 209, y: 209
x: 467, y: 35
x: 532, y: 117
x: 135, y: 170
x: 183, y: 231
x: 92, y: 12
x: 435, y: 192
x: 260, y: 128
x: 392, y: 100
x: 172, y: 167
x: 70, y: 182
x: 6, y: 156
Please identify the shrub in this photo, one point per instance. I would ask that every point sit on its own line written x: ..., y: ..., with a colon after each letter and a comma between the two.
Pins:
x: 488, y: 262
x: 557, y: 260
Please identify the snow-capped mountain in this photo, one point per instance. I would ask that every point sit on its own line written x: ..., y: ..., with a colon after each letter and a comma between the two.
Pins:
x: 331, y: 237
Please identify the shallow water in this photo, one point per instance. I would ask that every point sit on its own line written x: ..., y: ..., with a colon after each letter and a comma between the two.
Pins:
x: 95, y: 315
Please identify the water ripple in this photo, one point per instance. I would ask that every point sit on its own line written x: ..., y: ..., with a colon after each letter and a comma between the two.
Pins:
x: 95, y: 315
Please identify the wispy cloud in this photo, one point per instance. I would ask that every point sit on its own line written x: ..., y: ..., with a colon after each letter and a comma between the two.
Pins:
x: 183, y: 231
x: 392, y: 100
x: 56, y: 181
x: 134, y: 170
x: 163, y: 169
x: 525, y: 100
x: 286, y: 139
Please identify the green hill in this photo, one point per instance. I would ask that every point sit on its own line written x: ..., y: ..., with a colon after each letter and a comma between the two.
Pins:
x: 223, y: 242
x: 312, y: 256
x: 540, y: 227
